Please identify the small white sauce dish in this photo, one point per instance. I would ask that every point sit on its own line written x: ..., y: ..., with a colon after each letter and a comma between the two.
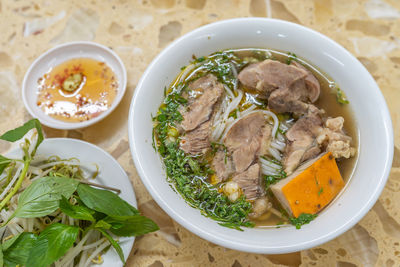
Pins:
x: 370, y: 111
x: 58, y: 55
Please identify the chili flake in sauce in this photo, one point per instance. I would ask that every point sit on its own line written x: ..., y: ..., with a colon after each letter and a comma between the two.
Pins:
x: 77, y: 90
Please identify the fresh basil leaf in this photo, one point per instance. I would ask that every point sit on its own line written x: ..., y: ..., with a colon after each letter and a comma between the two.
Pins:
x: 102, y: 224
x: 10, y: 241
x: 17, y: 249
x: 52, y: 244
x: 42, y: 197
x: 4, y: 162
x: 18, y: 133
x: 76, y: 211
x: 115, y: 244
x: 105, y: 201
x: 131, y: 225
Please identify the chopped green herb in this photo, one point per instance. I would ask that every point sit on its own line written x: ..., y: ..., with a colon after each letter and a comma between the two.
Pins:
x: 303, y: 219
x: 291, y: 57
x: 270, y: 180
x: 153, y: 139
x: 320, y: 191
x: 189, y: 178
x: 341, y: 97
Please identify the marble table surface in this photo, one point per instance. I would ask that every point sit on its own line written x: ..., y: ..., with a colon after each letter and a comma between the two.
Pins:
x: 139, y: 29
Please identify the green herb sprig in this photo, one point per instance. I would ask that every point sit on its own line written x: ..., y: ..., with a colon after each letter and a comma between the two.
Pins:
x: 60, y: 192
x: 290, y: 57
x: 341, y: 97
x: 303, y: 219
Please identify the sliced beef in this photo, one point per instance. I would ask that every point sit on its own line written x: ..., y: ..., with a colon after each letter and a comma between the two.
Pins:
x: 289, y: 88
x: 222, y: 165
x: 268, y: 75
x: 266, y: 138
x: 250, y: 182
x: 311, y: 82
x: 201, y: 104
x: 245, y: 155
x: 246, y: 139
x: 244, y: 130
x: 198, y: 140
x: 301, y: 140
x: 334, y: 140
x: 290, y: 99
x: 243, y: 140
x: 296, y: 97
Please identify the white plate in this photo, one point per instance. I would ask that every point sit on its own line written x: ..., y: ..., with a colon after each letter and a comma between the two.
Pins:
x: 110, y: 174
x: 58, y: 55
x: 366, y: 100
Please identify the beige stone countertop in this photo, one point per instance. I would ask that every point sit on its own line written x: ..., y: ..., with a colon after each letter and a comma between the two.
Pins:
x: 137, y: 30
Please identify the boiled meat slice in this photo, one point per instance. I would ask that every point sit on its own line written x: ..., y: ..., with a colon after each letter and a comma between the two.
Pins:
x: 268, y: 75
x: 301, y: 140
x: 198, y: 140
x: 222, y: 165
x: 201, y: 104
x: 245, y: 139
x: 250, y: 182
x: 313, y: 86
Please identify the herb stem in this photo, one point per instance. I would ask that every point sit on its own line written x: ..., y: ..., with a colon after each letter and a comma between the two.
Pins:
x: 17, y: 185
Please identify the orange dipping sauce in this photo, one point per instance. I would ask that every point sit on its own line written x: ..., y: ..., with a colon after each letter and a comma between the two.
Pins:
x: 93, y: 94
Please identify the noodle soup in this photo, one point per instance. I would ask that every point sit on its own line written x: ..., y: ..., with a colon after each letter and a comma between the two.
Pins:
x: 240, y: 130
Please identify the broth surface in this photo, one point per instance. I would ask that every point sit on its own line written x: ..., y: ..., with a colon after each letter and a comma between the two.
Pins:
x: 95, y: 94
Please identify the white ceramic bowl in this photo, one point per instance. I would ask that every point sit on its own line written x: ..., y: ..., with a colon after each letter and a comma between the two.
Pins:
x: 370, y: 111
x: 58, y: 55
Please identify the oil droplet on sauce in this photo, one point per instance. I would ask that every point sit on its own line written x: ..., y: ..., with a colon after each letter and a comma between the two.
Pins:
x: 94, y: 94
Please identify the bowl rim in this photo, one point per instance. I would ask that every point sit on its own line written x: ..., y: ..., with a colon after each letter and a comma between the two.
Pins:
x: 388, y: 130
x: 62, y: 125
